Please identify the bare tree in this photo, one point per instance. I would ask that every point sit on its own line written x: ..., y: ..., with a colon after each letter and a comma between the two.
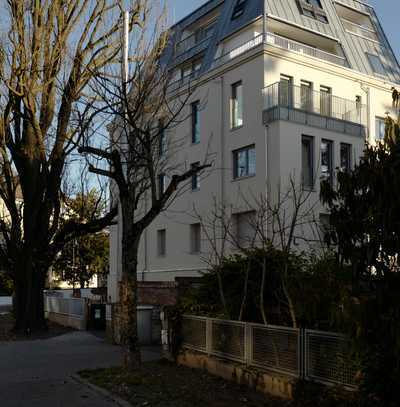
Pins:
x: 145, y: 167
x: 279, y: 221
x: 51, y: 50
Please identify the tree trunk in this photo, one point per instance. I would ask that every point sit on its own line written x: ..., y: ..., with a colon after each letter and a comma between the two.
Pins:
x: 128, y: 289
x: 245, y: 291
x: 262, y: 289
x: 29, y: 301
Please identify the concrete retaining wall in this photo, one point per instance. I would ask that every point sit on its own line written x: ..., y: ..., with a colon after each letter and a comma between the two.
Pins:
x: 265, y: 382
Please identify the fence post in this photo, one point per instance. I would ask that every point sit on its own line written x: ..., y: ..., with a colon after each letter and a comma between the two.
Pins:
x: 208, y: 336
x: 248, y: 343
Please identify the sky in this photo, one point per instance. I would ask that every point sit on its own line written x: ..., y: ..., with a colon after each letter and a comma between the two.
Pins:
x: 387, y: 10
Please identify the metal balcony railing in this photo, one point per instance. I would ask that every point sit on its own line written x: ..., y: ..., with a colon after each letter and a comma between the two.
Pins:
x: 280, y: 42
x: 302, y: 98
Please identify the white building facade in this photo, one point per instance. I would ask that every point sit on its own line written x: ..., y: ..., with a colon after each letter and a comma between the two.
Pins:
x: 285, y: 90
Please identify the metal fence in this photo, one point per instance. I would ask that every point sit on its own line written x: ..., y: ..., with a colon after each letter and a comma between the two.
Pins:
x: 312, y: 355
x: 74, y: 307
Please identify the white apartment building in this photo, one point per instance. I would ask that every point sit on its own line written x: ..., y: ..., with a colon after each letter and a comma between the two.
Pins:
x: 286, y: 89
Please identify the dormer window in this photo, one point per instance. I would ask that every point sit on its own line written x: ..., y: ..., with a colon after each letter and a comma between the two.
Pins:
x: 238, y: 9
x: 313, y: 9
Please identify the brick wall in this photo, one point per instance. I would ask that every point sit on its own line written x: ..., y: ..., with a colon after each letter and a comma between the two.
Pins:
x: 157, y: 293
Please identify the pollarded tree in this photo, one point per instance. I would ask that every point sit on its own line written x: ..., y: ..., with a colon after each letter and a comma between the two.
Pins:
x: 146, y: 169
x: 50, y: 52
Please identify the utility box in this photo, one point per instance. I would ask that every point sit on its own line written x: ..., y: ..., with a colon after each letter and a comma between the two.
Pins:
x: 144, y: 324
x: 97, y: 317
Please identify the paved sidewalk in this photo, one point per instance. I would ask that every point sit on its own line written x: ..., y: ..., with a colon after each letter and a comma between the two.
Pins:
x: 38, y: 373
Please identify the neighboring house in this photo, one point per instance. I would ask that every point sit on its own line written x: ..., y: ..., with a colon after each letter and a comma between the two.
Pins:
x: 295, y: 100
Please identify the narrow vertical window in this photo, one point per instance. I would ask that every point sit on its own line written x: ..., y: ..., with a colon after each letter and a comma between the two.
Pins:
x: 380, y: 128
x: 246, y: 228
x: 325, y: 101
x: 161, y: 242
x: 162, y: 140
x: 286, y: 91
x: 237, y: 105
x: 161, y: 183
x: 195, y: 238
x: 306, y: 95
x: 195, y: 122
x: 345, y: 157
x: 307, y: 161
x: 195, y: 178
x: 244, y: 162
x: 327, y: 161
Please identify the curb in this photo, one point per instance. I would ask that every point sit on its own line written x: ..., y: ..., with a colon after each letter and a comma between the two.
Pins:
x: 105, y: 393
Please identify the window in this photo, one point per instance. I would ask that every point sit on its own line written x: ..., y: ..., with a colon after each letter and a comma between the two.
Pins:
x: 345, y: 157
x: 325, y: 226
x: 161, y: 184
x: 161, y: 242
x: 244, y: 161
x: 325, y: 101
x: 313, y: 9
x: 307, y: 159
x: 376, y: 64
x: 245, y: 228
x: 195, y: 178
x: 327, y: 161
x: 286, y: 91
x: 162, y: 140
x: 306, y: 95
x: 237, y: 105
x: 238, y: 10
x: 195, y: 122
x: 195, y: 238
x: 380, y: 128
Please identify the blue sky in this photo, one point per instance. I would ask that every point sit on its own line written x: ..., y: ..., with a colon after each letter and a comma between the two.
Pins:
x: 388, y: 11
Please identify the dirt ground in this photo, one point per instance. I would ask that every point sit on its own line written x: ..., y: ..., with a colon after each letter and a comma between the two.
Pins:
x: 163, y: 384
x: 7, y: 334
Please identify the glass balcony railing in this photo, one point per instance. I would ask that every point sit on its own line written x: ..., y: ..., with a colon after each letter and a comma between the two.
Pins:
x: 282, y: 94
x: 193, y: 40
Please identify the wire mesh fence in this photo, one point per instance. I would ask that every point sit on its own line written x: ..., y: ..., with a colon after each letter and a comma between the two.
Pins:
x: 327, y: 358
x: 301, y: 353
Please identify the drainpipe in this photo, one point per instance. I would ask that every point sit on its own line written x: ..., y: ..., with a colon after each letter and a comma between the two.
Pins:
x: 367, y: 91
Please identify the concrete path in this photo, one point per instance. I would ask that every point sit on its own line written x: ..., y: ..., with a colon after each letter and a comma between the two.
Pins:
x: 38, y: 373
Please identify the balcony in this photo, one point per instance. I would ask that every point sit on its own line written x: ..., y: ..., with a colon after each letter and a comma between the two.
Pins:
x: 283, y: 43
x: 317, y: 109
x: 194, y: 40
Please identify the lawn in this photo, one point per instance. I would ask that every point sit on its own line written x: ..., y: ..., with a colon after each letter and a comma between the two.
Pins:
x: 163, y: 384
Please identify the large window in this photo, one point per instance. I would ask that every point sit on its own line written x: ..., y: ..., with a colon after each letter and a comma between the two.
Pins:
x: 376, y: 64
x: 345, y: 157
x: 380, y: 128
x: 195, y: 178
x: 161, y: 242
x: 286, y: 91
x: 244, y: 162
x: 195, y: 238
x: 325, y: 101
x: 307, y: 158
x: 237, y: 104
x: 306, y: 95
x: 195, y: 106
x: 245, y: 228
x: 327, y: 161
